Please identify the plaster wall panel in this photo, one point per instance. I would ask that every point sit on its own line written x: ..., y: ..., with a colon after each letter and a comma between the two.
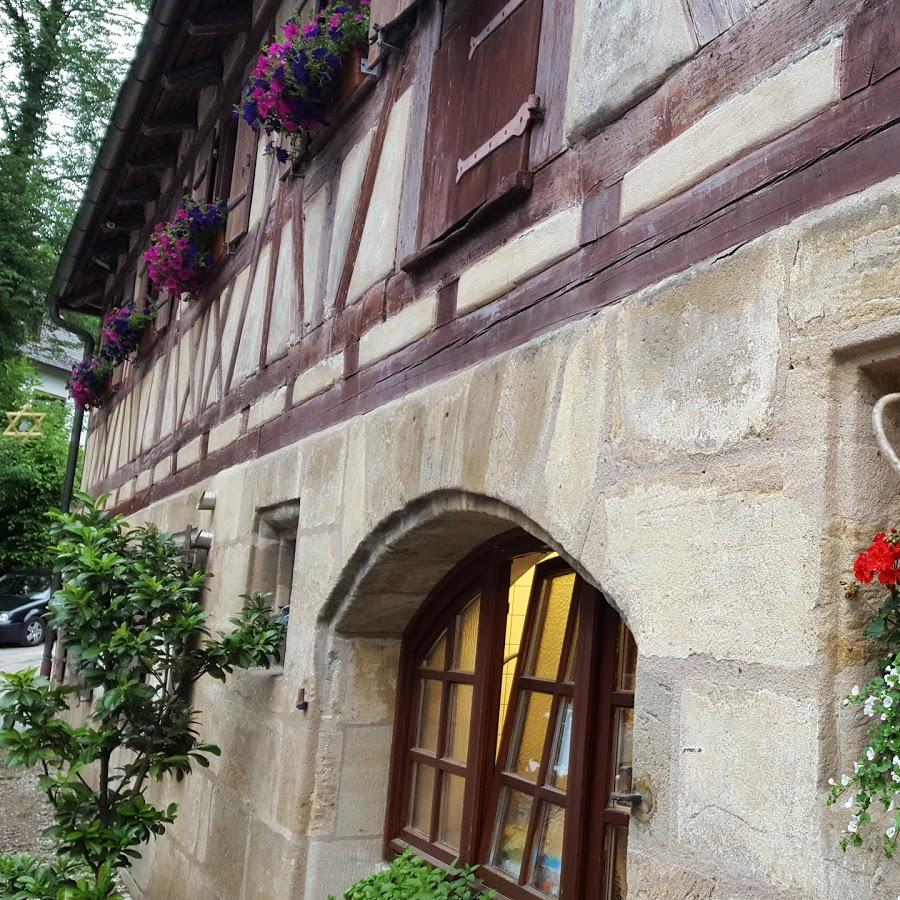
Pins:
x: 353, y: 170
x: 283, y: 316
x: 530, y: 251
x: 406, y: 326
x: 378, y: 245
x: 741, y: 123
x: 621, y: 51
x: 314, y: 211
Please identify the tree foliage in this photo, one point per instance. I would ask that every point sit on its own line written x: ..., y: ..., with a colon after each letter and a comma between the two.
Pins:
x: 137, y: 635
x: 64, y: 64
x: 31, y: 472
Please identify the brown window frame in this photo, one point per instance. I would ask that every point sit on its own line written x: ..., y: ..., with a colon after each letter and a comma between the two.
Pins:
x: 594, y: 694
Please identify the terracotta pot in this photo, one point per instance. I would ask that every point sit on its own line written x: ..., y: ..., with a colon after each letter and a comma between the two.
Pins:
x: 351, y: 78
x: 219, y: 250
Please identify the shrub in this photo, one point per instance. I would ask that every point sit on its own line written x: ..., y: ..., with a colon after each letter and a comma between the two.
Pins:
x: 409, y: 877
x: 137, y: 637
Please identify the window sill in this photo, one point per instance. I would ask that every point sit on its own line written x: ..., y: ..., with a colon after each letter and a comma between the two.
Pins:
x: 509, y: 192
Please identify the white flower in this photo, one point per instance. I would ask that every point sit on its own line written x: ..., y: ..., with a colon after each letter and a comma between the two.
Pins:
x: 895, y: 762
x: 849, y: 803
x: 853, y: 825
x: 895, y: 778
x: 869, y: 706
x: 831, y: 782
x: 845, y: 780
x: 854, y: 692
x: 888, y: 702
x: 845, y: 702
x: 891, y: 832
x: 884, y: 717
x: 870, y: 754
x: 856, y: 767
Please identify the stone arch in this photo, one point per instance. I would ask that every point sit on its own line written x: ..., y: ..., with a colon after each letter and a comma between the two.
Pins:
x: 384, y: 582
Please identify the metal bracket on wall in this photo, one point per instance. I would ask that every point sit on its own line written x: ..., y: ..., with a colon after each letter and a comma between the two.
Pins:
x: 493, y: 25
x: 516, y: 127
x: 880, y: 435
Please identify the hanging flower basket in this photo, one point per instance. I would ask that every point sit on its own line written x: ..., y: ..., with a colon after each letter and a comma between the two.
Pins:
x: 183, y: 249
x: 123, y: 330
x: 89, y: 382
x: 297, y: 81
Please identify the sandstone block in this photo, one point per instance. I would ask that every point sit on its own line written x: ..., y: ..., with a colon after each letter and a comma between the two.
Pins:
x: 698, y: 357
x: 744, y: 797
x: 333, y: 866
x: 269, y: 407
x: 621, y: 50
x: 362, y: 793
x: 729, y: 575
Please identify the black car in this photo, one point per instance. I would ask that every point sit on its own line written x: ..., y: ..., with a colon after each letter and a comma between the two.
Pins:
x: 24, y: 597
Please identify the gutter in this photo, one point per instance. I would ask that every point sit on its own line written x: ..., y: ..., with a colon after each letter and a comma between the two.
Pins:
x: 143, y: 75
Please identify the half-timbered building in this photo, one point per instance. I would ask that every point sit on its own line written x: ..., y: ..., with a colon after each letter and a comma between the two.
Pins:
x: 539, y: 389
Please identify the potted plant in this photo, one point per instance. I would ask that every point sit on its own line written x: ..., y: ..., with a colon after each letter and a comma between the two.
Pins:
x: 297, y: 81
x: 183, y: 249
x: 123, y: 330
x: 89, y: 381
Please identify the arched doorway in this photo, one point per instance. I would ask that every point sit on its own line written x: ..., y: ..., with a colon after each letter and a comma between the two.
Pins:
x: 513, y: 734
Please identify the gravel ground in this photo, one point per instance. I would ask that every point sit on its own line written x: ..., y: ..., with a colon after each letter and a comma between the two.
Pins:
x: 23, y: 812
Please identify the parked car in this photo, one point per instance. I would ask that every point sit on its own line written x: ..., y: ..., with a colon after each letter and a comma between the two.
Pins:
x: 24, y: 597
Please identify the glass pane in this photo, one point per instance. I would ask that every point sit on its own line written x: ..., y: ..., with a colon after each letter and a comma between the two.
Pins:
x: 623, y: 741
x: 466, y: 637
x: 555, y: 603
x: 531, y: 730
x: 511, y: 832
x: 438, y: 653
x: 453, y: 794
x: 627, y: 659
x: 429, y: 715
x: 616, y: 853
x: 460, y: 721
x: 547, y: 870
x: 521, y: 579
x: 422, y: 799
x: 559, y: 767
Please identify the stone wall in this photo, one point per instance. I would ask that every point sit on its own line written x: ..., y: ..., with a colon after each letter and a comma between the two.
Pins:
x: 701, y: 452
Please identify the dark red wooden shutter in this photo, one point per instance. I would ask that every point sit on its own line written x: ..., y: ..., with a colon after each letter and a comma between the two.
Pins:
x: 476, y: 91
x: 241, y: 182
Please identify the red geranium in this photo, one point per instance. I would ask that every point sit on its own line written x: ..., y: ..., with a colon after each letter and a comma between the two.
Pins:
x: 879, y: 560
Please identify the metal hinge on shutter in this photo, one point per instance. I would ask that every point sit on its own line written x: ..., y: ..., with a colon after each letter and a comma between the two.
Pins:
x: 493, y: 25
x: 516, y: 127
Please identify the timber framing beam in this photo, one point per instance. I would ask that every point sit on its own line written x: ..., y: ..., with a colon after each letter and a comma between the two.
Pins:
x: 229, y: 19
x: 206, y: 73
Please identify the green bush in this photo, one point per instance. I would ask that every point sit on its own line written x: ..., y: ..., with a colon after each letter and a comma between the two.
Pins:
x: 409, y: 877
x: 131, y: 611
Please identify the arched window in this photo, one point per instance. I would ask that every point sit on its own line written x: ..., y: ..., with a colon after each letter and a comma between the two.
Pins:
x: 514, y: 727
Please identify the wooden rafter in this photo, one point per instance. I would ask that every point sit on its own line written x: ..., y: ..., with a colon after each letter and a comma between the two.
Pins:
x: 142, y: 193
x: 173, y: 123
x: 164, y: 158
x: 206, y: 73
x: 228, y: 19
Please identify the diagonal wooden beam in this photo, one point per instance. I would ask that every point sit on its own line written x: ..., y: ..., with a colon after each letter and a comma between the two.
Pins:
x: 206, y: 73
x: 228, y: 19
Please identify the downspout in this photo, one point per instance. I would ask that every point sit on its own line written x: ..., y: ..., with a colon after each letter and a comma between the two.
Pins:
x: 68, y: 488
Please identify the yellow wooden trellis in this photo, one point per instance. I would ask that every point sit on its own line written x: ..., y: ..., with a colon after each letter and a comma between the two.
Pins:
x: 24, y: 424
